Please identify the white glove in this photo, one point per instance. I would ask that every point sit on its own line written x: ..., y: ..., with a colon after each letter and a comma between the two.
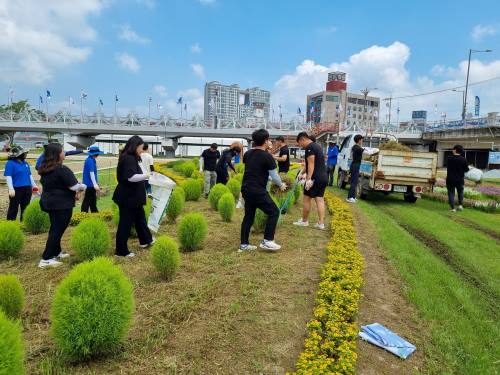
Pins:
x: 309, y: 184
x: 283, y: 187
x: 97, y: 188
x: 12, y: 193
x: 201, y: 170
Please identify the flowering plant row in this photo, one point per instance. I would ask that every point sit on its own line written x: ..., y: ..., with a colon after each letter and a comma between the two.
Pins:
x: 106, y: 215
x: 330, y: 347
x: 163, y: 169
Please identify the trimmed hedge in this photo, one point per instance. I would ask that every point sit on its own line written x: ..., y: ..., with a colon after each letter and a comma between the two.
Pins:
x: 215, y: 193
x: 92, y: 309
x: 11, y: 238
x: 90, y: 239
x: 192, y: 189
x: 11, y: 296
x: 226, y: 207
x: 12, y: 353
x: 34, y: 219
x: 165, y: 256
x: 192, y: 231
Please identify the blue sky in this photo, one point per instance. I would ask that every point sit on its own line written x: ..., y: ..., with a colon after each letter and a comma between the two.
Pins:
x: 167, y: 49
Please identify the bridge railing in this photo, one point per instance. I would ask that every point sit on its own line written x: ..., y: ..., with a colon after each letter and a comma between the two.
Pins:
x: 473, y: 123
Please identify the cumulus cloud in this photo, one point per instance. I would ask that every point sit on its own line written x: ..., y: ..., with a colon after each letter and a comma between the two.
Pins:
x: 192, y: 97
x: 195, y: 48
x: 128, y: 62
x: 147, y: 3
x: 160, y: 90
x: 384, y: 67
x: 198, y: 70
x: 481, y: 31
x: 127, y: 33
x: 37, y: 40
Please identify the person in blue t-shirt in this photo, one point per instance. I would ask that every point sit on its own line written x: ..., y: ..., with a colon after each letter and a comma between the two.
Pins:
x: 19, y: 181
x: 331, y: 161
x: 90, y: 179
x: 41, y: 157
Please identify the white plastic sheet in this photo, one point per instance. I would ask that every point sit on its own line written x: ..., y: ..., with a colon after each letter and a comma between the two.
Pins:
x: 474, y: 174
x: 161, y: 187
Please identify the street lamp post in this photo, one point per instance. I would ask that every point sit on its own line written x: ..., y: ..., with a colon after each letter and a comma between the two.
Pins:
x: 463, y: 99
x: 471, y: 51
x: 365, y: 92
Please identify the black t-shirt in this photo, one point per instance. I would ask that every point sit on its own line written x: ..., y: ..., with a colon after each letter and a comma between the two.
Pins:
x: 129, y: 194
x: 55, y: 193
x: 284, y: 166
x: 258, y: 163
x: 456, y: 166
x: 319, y: 173
x: 357, y: 154
x: 210, y: 159
x: 225, y: 160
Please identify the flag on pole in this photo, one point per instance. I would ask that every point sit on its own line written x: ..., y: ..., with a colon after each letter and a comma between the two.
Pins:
x: 435, y: 109
x: 116, y: 98
x: 48, y: 94
x: 179, y: 101
x: 41, y: 99
x: 397, y: 110
x: 83, y: 94
x: 71, y: 101
x: 150, y: 99
x: 299, y: 111
x: 100, y: 102
x: 185, y: 106
x: 158, y: 105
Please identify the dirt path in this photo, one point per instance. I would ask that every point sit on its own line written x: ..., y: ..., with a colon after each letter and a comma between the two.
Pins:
x: 383, y: 302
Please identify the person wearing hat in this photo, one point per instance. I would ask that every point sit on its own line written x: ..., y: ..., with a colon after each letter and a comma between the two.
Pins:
x: 90, y: 179
x: 19, y: 181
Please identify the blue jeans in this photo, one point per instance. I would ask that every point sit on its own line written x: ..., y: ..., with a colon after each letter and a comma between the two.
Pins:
x: 354, y: 181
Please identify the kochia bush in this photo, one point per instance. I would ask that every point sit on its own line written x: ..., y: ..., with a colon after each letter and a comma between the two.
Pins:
x: 90, y: 239
x: 226, y: 207
x: 11, y: 296
x: 11, y: 238
x: 192, y: 231
x: 34, y: 219
x: 234, y: 187
x: 192, y: 189
x: 166, y: 257
x: 215, y: 193
x: 12, y: 353
x: 92, y: 309
x: 176, y: 204
x: 188, y: 168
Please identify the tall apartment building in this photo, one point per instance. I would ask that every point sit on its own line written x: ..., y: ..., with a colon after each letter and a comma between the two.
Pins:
x: 336, y: 105
x: 229, y: 102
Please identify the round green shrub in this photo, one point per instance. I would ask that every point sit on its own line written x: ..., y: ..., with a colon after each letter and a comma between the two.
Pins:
x: 11, y: 238
x: 234, y: 187
x: 259, y: 224
x: 240, y: 168
x: 11, y: 296
x: 92, y: 309
x: 188, y: 168
x: 176, y: 204
x: 90, y: 239
x: 192, y: 189
x: 34, y: 219
x: 215, y: 193
x: 12, y: 353
x: 226, y: 207
x: 192, y: 231
x: 196, y: 175
x: 238, y: 177
x: 166, y: 257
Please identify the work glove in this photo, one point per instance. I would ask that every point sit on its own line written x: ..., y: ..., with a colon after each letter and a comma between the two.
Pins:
x: 309, y: 184
x: 12, y: 193
x: 283, y: 187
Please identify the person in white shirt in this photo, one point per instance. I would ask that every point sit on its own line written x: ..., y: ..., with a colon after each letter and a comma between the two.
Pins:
x: 147, y: 165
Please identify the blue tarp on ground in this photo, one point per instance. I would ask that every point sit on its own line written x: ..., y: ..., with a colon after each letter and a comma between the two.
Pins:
x: 378, y: 335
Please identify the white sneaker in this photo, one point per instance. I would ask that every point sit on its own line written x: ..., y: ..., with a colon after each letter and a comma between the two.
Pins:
x: 453, y: 210
x: 63, y: 255
x: 129, y: 255
x: 246, y: 247
x: 148, y: 244
x: 460, y: 208
x: 49, y: 263
x: 269, y: 245
x: 301, y: 223
x: 351, y: 200
x: 319, y: 226
x: 240, y: 204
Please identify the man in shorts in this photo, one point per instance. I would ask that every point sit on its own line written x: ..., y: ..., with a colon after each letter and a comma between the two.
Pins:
x: 315, y: 180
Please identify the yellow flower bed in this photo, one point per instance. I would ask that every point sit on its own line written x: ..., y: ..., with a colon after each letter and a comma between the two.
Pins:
x: 162, y: 168
x: 330, y: 347
x: 77, y: 217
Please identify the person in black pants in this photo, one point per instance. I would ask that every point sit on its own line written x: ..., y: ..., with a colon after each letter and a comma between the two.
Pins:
x: 130, y: 196
x: 259, y: 165
x: 60, y: 190
x: 225, y: 162
x: 90, y: 179
x: 456, y: 166
x: 283, y: 158
x: 357, y: 156
x: 19, y: 182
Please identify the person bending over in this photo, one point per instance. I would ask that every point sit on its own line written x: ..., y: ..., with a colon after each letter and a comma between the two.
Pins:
x: 316, y: 180
x: 225, y: 162
x: 456, y: 166
x: 259, y: 165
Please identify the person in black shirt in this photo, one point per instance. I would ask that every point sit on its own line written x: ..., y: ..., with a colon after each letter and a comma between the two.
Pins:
x: 357, y: 156
x: 208, y: 162
x: 225, y: 162
x: 259, y: 165
x: 60, y: 190
x: 283, y: 158
x: 455, y: 171
x: 130, y: 196
x: 316, y: 180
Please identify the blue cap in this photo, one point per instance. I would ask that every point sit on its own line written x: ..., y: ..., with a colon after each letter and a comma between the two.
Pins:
x: 94, y: 150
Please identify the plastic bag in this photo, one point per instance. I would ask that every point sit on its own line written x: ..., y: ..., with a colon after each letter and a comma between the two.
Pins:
x: 474, y: 174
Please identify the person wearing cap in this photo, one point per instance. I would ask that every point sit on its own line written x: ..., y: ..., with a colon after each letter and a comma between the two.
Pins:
x: 207, y: 164
x: 90, y: 179
x: 19, y: 181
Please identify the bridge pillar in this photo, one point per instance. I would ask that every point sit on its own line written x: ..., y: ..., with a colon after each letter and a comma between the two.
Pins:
x: 81, y: 141
x: 169, y: 145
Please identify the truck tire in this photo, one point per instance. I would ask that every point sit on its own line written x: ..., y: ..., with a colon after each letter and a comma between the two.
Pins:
x: 410, y: 198
x: 341, y: 179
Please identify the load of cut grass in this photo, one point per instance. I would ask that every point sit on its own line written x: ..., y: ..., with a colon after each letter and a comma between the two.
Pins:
x: 394, y: 146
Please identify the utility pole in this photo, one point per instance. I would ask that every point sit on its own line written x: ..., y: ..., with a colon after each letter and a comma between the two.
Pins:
x: 471, y: 51
x: 390, y: 108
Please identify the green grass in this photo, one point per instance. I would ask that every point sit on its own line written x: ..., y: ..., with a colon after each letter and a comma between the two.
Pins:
x: 463, y: 329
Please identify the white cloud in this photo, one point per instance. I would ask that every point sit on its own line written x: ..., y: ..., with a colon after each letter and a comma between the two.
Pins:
x: 207, y: 2
x: 198, y: 70
x: 195, y: 48
x: 192, y: 97
x: 128, y: 62
x: 160, y: 90
x: 127, y: 33
x: 38, y: 40
x: 147, y: 3
x: 384, y: 67
x: 481, y: 31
